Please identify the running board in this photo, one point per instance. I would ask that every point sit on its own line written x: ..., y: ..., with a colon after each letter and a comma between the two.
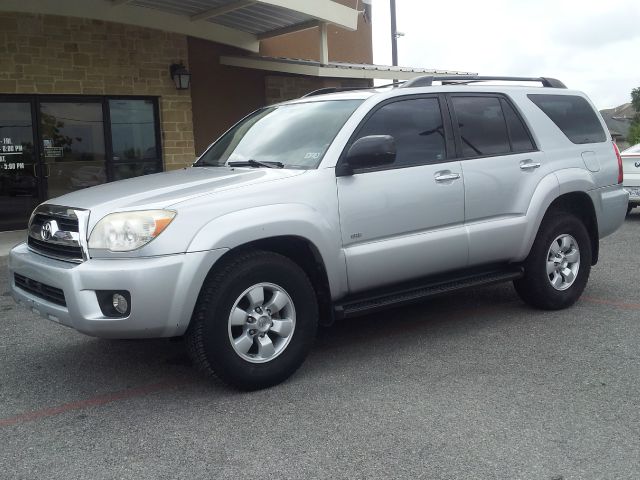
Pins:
x: 364, y: 304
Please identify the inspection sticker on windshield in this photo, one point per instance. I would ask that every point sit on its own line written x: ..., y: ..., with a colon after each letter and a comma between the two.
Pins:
x: 313, y: 155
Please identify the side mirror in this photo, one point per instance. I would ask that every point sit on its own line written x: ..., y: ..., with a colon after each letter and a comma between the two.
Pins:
x: 368, y: 152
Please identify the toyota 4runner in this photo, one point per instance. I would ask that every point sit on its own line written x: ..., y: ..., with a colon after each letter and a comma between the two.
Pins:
x: 331, y: 206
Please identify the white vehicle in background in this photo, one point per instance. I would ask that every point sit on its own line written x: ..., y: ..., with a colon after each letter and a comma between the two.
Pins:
x: 631, y: 167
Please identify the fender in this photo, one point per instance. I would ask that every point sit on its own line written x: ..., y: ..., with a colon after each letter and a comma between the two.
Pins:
x: 546, y: 192
x: 567, y: 180
x: 575, y: 180
x: 238, y: 228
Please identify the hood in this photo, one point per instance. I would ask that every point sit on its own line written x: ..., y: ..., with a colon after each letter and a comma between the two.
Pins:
x: 162, y: 190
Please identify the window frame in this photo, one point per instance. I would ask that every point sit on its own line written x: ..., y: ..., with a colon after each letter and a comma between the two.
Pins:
x: 446, y: 122
x: 500, y: 97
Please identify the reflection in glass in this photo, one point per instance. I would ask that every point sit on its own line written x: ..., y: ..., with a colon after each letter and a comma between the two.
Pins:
x: 297, y: 135
x: 73, y: 146
x: 122, y: 171
x: 133, y: 130
x: 415, y: 125
x: 72, y: 132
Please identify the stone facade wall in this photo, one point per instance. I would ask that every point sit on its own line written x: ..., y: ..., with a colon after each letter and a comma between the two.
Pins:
x: 280, y: 88
x: 48, y: 54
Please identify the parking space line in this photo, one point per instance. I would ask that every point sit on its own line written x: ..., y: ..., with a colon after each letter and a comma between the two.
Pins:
x: 613, y: 303
x: 94, y: 401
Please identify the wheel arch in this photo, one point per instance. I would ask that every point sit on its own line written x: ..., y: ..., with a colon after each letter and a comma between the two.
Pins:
x: 304, y: 253
x: 292, y: 224
x: 580, y: 204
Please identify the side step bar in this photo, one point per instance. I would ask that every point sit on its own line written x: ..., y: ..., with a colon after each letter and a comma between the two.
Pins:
x: 364, y: 304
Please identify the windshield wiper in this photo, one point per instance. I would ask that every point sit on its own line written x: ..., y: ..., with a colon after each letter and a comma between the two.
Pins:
x: 256, y: 164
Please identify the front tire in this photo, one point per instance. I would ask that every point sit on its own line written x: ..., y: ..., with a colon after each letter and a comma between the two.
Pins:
x: 254, y: 322
x: 557, y: 268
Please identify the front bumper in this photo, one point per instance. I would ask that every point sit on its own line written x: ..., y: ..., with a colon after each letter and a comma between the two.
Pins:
x: 163, y: 289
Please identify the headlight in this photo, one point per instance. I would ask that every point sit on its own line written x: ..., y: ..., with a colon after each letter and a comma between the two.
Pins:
x: 125, y: 231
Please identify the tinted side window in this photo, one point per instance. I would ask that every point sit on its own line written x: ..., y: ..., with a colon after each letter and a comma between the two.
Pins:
x: 416, y: 125
x: 483, y: 130
x: 573, y: 115
x: 520, y: 140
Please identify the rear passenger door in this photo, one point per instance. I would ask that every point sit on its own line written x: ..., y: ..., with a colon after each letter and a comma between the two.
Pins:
x: 501, y: 167
x: 404, y: 220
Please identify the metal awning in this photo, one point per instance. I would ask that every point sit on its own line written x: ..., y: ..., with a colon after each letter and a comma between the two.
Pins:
x: 332, y: 69
x: 240, y: 23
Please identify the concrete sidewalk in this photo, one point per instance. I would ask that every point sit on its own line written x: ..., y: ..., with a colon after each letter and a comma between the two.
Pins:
x: 8, y: 240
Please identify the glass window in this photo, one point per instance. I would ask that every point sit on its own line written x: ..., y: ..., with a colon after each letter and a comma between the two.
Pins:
x: 18, y: 182
x: 416, y: 125
x: 573, y: 115
x: 72, y: 131
x: 520, y: 140
x: 72, y: 145
x: 483, y: 130
x: 296, y: 135
x: 133, y: 129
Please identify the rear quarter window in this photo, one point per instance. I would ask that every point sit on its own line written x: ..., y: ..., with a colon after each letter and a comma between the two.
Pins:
x: 573, y: 115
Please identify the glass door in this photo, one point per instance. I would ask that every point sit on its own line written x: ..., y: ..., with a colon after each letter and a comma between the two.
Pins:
x: 55, y: 144
x: 73, y: 147
x: 19, y: 193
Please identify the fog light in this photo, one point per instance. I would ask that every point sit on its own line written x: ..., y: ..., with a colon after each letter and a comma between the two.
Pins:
x: 120, y: 303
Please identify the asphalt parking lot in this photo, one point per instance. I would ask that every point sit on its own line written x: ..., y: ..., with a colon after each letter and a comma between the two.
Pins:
x: 473, y: 385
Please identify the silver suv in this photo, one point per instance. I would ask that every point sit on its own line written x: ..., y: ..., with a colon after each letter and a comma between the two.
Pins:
x: 331, y: 206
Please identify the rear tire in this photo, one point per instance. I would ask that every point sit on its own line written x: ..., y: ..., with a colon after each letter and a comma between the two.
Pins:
x: 558, y: 266
x: 255, y: 320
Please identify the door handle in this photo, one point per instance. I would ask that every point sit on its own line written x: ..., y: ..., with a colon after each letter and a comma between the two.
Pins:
x: 529, y: 165
x: 48, y: 170
x: 446, y: 177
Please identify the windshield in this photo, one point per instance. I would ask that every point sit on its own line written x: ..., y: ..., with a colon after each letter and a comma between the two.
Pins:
x: 296, y: 135
x: 634, y: 149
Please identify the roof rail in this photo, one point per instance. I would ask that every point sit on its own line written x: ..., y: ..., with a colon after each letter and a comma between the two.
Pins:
x: 427, y: 80
x: 322, y: 91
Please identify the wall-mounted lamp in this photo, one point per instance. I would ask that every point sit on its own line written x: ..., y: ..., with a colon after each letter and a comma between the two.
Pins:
x: 180, y: 76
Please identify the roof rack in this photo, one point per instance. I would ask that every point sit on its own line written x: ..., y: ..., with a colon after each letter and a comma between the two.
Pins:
x: 427, y: 80
x: 322, y: 91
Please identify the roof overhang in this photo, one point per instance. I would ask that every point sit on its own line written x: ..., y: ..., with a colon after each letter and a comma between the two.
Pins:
x: 239, y: 23
x: 332, y: 69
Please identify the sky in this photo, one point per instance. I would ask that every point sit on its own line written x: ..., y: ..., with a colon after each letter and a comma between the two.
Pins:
x: 592, y: 46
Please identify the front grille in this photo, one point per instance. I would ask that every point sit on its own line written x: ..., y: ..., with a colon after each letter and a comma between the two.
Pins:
x: 55, y: 250
x: 60, y: 237
x: 65, y: 223
x: 40, y: 290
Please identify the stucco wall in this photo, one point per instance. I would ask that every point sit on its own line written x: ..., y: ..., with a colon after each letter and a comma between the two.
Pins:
x: 50, y: 54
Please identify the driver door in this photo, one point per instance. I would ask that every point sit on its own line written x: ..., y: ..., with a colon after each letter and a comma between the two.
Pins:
x: 406, y: 220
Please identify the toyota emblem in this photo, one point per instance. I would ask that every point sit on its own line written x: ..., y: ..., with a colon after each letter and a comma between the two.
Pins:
x: 49, y: 229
